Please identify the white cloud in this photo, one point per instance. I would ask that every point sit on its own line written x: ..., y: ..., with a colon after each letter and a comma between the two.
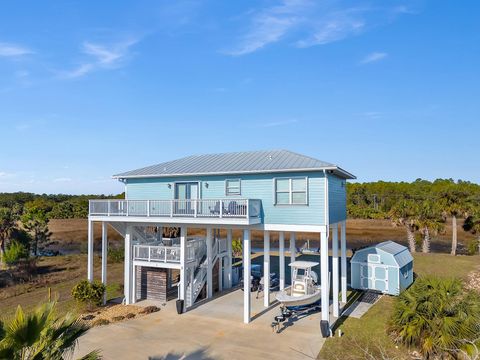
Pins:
x: 13, y: 50
x: 310, y: 23
x: 277, y: 123
x: 62, y: 180
x: 101, y: 57
x: 4, y: 174
x: 374, y: 57
x: 269, y: 25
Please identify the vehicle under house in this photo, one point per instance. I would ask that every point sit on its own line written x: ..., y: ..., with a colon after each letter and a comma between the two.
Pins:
x: 270, y: 191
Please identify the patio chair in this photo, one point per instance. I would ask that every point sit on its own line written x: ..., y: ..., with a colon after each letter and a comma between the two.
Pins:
x: 216, y: 209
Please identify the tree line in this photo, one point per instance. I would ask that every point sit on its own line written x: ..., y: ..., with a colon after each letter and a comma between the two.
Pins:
x: 419, y: 207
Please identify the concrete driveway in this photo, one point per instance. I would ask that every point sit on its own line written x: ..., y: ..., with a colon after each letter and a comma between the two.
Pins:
x: 213, y: 330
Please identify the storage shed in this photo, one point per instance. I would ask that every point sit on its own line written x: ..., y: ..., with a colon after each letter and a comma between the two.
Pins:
x: 386, y: 267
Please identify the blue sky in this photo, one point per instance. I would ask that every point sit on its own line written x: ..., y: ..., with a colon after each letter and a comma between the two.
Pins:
x: 386, y: 89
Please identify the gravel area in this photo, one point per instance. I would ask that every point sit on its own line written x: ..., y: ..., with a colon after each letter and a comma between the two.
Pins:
x: 473, y: 280
x: 112, y: 313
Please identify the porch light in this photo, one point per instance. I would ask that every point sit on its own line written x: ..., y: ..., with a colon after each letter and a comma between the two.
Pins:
x: 206, y: 185
x: 169, y: 185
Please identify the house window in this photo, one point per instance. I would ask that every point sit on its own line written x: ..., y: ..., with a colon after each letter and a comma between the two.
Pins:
x: 291, y: 191
x: 232, y: 187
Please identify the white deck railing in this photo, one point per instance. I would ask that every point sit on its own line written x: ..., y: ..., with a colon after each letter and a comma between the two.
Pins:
x: 211, y: 208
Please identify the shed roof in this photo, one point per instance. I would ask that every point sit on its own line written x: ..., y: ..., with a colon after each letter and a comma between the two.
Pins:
x: 268, y: 161
x: 400, y: 252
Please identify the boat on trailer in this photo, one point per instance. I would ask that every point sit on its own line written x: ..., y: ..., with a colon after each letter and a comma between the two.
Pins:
x: 304, y: 291
x: 300, y: 299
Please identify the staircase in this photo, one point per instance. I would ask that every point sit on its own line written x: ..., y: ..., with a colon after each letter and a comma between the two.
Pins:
x: 200, y: 274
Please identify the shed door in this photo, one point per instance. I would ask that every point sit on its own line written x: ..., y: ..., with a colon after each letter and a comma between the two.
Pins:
x: 374, y: 277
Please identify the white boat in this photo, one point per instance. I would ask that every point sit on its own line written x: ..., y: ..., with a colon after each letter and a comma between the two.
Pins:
x: 304, y: 290
x: 307, y: 250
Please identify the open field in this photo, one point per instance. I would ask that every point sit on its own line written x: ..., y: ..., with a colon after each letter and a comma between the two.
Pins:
x: 370, y: 331
x: 70, y: 235
x: 60, y: 273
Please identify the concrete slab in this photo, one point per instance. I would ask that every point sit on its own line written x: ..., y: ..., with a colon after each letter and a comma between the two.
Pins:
x: 214, y: 330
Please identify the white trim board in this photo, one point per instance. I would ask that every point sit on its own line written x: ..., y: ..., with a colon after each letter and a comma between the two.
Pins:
x: 154, y: 264
x: 177, y: 220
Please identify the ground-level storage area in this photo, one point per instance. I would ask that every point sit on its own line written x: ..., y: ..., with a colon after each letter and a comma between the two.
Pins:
x: 156, y: 283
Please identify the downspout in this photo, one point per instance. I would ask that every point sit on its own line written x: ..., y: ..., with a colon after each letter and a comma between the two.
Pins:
x: 327, y: 212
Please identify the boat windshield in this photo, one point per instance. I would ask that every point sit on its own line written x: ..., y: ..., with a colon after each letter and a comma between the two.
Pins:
x: 300, y: 274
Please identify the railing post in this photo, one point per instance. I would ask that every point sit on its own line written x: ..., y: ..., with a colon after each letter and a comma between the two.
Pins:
x: 108, y: 207
x: 248, y: 209
x: 148, y: 208
x: 171, y: 208
x: 149, y: 254
x: 195, y: 209
x: 126, y: 203
x: 221, y: 208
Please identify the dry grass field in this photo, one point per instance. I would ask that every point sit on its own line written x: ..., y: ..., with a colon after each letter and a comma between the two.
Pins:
x: 70, y: 235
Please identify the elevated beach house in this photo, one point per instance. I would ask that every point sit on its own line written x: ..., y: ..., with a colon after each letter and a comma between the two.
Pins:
x: 275, y: 191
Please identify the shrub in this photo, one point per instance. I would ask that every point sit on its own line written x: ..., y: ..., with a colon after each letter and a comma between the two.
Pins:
x: 437, y: 316
x: 118, y: 318
x: 150, y: 309
x: 14, y: 253
x: 473, y: 247
x: 115, y: 255
x: 100, y: 322
x: 89, y: 293
x: 129, y: 316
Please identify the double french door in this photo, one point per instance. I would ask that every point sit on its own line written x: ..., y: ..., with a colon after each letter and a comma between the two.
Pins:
x: 185, y: 192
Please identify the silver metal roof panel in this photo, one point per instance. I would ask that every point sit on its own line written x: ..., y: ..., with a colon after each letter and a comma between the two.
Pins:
x: 236, y: 163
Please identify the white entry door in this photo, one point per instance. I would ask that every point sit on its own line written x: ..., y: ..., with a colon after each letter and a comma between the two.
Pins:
x: 374, y: 277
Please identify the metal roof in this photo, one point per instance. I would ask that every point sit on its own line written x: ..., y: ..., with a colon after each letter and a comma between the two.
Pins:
x: 401, y: 254
x: 236, y: 163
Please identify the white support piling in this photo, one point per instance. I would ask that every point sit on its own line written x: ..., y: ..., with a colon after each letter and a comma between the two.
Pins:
x: 293, y: 254
x: 335, y: 280
x: 209, y: 263
x: 104, y: 256
x: 90, y: 251
x: 343, y: 247
x: 324, y: 275
x: 229, y: 259
x: 127, y: 283
x: 266, y: 269
x: 246, y: 276
x: 281, y: 245
x: 183, y: 263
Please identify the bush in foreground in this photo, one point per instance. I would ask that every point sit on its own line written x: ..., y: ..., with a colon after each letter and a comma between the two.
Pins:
x: 438, y: 317
x: 89, y: 293
x: 41, y: 335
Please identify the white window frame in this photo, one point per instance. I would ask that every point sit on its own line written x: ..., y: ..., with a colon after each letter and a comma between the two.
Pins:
x: 290, y: 190
x: 239, y: 187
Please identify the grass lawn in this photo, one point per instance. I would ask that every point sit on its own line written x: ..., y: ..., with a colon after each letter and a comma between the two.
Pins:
x: 370, y: 332
x: 59, y: 273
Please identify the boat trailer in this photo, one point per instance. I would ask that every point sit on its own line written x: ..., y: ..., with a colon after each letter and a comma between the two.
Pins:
x: 288, y: 316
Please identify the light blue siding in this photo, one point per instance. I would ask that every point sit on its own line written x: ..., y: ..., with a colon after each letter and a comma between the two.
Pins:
x: 337, y: 198
x: 399, y: 278
x: 254, y: 186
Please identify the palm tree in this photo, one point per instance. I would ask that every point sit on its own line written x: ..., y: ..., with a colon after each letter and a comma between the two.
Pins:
x: 429, y: 222
x: 438, y: 316
x: 41, y: 335
x: 454, y: 206
x: 8, y: 222
x: 405, y: 213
